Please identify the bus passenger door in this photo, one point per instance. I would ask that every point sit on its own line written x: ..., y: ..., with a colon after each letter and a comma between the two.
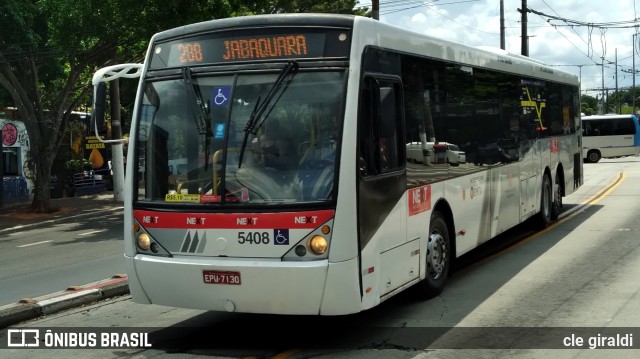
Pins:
x: 385, y: 258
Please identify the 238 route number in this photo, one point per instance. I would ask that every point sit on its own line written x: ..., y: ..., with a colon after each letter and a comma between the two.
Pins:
x: 253, y: 237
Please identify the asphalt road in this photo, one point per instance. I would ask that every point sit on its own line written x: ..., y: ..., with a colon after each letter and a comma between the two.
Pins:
x: 46, y: 260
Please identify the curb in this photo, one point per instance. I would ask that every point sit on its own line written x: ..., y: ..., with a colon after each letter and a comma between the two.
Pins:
x: 74, y: 296
x: 58, y: 220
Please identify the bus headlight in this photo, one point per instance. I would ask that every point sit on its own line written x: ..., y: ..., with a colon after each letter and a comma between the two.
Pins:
x: 318, y: 244
x: 144, y: 241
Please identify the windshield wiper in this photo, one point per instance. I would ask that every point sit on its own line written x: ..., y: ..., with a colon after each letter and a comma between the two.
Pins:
x: 256, y: 118
x: 199, y: 111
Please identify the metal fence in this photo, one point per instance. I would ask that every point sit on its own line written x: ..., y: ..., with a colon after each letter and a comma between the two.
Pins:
x: 88, y: 182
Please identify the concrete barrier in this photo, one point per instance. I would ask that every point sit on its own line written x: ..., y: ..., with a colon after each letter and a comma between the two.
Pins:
x: 74, y: 296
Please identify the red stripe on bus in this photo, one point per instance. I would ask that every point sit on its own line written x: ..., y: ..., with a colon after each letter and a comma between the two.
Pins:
x: 292, y: 220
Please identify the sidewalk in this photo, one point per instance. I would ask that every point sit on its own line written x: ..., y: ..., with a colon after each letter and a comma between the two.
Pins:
x: 17, y: 216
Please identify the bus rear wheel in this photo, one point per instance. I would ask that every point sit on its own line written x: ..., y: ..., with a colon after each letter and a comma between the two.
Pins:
x: 546, y: 203
x: 438, y: 261
x: 557, y: 202
x: 594, y: 156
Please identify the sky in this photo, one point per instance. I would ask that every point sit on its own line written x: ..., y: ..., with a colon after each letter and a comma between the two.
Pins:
x: 566, y: 43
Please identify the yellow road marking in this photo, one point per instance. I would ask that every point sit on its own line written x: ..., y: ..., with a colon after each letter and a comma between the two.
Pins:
x: 285, y: 355
x: 597, y: 197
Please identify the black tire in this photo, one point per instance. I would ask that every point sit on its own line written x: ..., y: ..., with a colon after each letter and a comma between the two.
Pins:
x: 557, y: 202
x: 438, y: 259
x: 594, y: 156
x: 546, y: 200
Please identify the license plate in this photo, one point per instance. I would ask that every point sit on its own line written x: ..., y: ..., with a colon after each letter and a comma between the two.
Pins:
x: 221, y: 277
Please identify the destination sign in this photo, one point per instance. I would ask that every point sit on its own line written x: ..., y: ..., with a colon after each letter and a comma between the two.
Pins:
x: 232, y: 47
x: 266, y: 47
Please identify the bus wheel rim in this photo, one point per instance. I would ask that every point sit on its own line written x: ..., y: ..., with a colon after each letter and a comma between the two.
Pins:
x: 436, y: 255
x: 558, y: 195
x: 546, y: 202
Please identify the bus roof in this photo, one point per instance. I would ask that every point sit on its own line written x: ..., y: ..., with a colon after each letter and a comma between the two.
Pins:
x: 258, y: 21
x: 386, y: 36
x: 607, y: 116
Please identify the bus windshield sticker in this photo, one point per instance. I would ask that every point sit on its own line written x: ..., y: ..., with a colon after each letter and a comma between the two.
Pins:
x: 179, y: 197
x: 221, y: 96
x: 219, y: 131
x: 281, y: 237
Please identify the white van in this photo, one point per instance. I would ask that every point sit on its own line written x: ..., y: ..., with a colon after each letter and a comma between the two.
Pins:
x: 454, y: 155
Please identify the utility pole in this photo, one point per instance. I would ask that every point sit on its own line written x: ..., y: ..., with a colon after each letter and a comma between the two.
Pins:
x: 580, y: 71
x: 604, y: 103
x: 502, y: 28
x: 375, y: 9
x: 633, y: 76
x: 617, y: 92
x: 525, y: 38
x: 117, y: 159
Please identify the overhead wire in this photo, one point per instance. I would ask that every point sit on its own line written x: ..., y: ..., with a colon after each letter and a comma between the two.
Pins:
x: 430, y: 7
x: 602, y: 27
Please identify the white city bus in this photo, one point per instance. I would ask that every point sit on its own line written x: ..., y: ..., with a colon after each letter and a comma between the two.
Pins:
x: 297, y: 196
x: 608, y: 136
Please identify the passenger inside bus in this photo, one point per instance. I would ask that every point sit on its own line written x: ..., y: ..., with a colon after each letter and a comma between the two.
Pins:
x: 277, y: 148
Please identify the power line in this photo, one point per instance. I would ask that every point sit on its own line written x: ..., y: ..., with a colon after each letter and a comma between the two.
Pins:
x: 604, y: 25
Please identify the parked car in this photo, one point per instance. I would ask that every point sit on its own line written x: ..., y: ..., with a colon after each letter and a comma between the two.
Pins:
x: 453, y: 151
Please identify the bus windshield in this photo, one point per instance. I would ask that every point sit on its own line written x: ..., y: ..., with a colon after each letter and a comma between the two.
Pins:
x: 195, y: 130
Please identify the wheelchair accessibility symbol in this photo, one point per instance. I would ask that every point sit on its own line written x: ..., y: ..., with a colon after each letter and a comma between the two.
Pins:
x: 221, y: 96
x: 281, y: 237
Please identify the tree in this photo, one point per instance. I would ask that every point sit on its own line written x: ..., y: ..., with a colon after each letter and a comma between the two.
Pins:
x: 5, y: 100
x: 49, y: 50
x: 589, y: 105
x: 309, y: 6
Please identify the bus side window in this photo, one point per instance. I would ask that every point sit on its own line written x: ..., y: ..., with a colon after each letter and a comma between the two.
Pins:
x: 380, y: 118
x: 385, y: 125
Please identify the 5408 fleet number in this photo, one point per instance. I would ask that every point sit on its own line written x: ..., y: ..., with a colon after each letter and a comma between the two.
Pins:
x: 253, y: 237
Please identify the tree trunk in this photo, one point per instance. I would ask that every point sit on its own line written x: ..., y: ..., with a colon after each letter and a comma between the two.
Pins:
x: 41, y: 195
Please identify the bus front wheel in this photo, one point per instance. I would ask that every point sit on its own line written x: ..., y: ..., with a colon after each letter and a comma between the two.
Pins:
x: 594, y: 156
x: 438, y: 259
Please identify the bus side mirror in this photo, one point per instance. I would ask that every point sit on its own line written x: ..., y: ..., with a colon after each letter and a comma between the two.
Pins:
x: 386, y: 126
x: 100, y: 99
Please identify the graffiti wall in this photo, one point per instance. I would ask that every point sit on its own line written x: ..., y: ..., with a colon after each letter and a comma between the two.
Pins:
x: 17, y: 168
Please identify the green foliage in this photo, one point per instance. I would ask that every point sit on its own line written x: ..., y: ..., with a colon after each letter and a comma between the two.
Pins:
x: 49, y: 50
x: 78, y: 165
x: 589, y: 105
x: 616, y: 102
x: 307, y: 6
x: 17, y: 19
x: 5, y: 99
